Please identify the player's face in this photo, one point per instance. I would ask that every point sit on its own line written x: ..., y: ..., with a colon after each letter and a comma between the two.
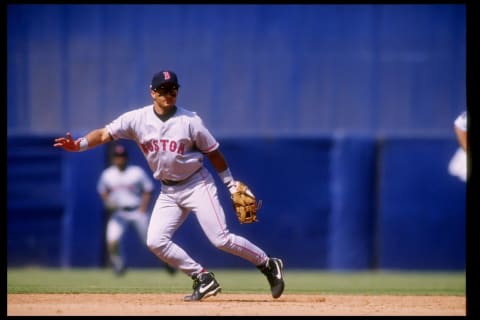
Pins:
x: 120, y: 162
x: 165, y: 96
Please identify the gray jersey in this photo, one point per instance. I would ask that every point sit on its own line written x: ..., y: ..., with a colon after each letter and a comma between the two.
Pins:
x: 173, y: 148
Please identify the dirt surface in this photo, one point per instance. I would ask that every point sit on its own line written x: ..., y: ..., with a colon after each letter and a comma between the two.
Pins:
x: 232, y: 305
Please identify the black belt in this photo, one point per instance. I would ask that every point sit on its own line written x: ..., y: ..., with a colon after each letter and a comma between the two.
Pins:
x: 173, y: 182
x: 129, y: 208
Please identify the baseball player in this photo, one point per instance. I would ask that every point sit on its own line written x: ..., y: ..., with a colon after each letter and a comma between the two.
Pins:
x: 460, y: 126
x: 126, y: 191
x: 175, y: 142
x: 458, y: 163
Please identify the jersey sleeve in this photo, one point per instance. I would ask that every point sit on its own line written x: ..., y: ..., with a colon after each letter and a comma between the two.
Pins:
x: 461, y: 121
x: 121, y: 127
x: 204, y: 140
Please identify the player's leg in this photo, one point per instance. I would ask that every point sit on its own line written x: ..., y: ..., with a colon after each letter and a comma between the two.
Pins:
x: 205, y: 204
x: 166, y: 218
x: 140, y: 221
x: 115, y: 229
x: 210, y: 214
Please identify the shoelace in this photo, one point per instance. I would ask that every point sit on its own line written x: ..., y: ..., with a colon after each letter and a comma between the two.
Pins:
x: 196, y: 284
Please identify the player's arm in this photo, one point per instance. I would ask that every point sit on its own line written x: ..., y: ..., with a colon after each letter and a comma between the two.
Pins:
x: 221, y: 166
x: 107, y: 203
x: 90, y: 140
x: 461, y: 137
x: 218, y: 160
x: 104, y: 196
x: 244, y: 201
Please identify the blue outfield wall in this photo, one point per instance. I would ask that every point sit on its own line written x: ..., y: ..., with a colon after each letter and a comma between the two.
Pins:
x: 352, y: 184
x: 35, y: 202
x: 422, y: 209
x: 83, y: 235
x: 331, y: 202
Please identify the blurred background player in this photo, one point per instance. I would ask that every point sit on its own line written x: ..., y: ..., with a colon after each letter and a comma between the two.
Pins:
x: 458, y: 164
x: 126, y: 191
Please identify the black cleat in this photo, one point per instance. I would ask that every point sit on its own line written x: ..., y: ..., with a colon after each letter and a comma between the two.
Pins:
x: 273, y: 270
x: 204, y: 286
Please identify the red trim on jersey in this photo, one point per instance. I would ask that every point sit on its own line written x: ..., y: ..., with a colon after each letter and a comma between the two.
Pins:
x: 215, y: 146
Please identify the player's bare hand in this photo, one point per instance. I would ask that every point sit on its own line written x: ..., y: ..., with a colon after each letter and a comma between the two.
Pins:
x: 67, y: 143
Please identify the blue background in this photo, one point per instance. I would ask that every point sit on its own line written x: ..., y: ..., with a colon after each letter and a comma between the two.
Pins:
x: 340, y: 117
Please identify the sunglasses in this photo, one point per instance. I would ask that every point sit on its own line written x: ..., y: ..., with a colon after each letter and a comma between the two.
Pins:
x: 168, y: 88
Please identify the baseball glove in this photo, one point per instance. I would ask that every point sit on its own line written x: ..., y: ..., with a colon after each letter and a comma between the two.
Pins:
x: 245, y: 203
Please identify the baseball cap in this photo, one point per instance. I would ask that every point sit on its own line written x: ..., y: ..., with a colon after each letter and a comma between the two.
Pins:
x: 163, y: 77
x: 120, y: 151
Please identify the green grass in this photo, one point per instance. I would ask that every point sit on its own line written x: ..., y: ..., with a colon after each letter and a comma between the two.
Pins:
x: 44, y: 280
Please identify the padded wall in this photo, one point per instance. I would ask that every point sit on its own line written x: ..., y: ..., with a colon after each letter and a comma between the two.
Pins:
x: 35, y: 202
x: 82, y: 235
x: 342, y: 202
x: 353, y: 185
x: 422, y: 210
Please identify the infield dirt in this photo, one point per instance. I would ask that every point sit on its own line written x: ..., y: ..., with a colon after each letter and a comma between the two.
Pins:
x: 226, y: 304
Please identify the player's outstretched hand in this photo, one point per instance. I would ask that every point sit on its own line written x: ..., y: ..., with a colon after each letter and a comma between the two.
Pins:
x: 67, y: 143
